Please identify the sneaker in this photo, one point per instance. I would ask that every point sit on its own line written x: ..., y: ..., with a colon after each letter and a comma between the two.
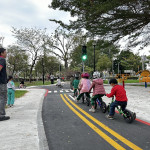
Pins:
x: 11, y: 105
x: 92, y: 110
x: 4, y: 118
x: 77, y: 100
x: 8, y: 106
x: 110, y: 117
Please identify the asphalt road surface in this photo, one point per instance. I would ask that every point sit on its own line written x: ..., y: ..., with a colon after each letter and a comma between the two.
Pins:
x: 70, y: 125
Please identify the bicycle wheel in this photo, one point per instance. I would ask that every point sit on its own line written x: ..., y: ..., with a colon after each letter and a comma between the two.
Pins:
x: 103, y: 107
x: 128, y: 116
x: 83, y: 99
x: 76, y: 94
x: 134, y: 116
x: 108, y: 108
x: 95, y: 106
x: 87, y: 101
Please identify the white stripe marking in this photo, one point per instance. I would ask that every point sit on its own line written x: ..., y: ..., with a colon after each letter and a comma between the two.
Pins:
x: 72, y: 97
x: 49, y: 91
x: 71, y: 90
x: 66, y: 90
x: 61, y: 91
x: 55, y: 91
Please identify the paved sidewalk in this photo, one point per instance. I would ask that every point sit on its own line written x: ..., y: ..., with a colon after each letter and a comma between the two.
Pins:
x: 23, y: 130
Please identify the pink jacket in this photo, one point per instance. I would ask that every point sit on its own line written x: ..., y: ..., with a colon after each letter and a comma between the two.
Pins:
x: 84, y: 85
x: 98, y: 87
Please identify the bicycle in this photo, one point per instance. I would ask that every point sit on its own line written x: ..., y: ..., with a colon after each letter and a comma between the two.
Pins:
x: 22, y: 86
x: 87, y: 99
x: 101, y: 104
x: 76, y: 93
x: 128, y: 115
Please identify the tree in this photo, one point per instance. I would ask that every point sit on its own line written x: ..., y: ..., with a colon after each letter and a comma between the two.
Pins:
x: 129, y: 61
x: 17, y: 60
x: 110, y: 19
x: 51, y: 65
x: 102, y: 48
x: 103, y: 63
x: 60, y: 43
x: 32, y: 41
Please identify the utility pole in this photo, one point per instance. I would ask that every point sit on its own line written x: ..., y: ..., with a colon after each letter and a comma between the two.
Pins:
x: 83, y: 66
x: 94, y: 44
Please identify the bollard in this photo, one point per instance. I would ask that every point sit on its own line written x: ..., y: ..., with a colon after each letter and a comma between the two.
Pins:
x: 145, y: 84
x: 123, y: 83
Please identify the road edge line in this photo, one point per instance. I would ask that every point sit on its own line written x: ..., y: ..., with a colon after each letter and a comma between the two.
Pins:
x: 43, y: 144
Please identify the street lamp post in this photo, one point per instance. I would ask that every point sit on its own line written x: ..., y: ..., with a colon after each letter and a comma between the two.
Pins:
x: 94, y: 44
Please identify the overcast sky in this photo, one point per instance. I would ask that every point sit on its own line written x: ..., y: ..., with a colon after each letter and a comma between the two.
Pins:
x: 27, y: 13
x: 31, y: 13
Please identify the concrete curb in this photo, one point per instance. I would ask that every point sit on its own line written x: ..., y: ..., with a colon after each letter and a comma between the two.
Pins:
x: 43, y: 144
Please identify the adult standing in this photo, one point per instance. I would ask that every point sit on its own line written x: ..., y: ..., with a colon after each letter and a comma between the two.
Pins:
x: 52, y: 79
x: 3, y: 85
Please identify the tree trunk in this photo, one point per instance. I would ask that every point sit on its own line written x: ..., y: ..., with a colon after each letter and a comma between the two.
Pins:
x: 66, y: 63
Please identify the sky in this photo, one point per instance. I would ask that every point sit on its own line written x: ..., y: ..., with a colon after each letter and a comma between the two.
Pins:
x: 27, y: 13
x: 33, y: 13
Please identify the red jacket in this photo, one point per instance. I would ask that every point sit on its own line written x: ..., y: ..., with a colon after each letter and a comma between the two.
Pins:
x: 98, y: 87
x: 119, y: 92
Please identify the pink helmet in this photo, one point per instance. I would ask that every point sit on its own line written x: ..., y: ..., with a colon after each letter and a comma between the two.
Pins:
x: 86, y: 75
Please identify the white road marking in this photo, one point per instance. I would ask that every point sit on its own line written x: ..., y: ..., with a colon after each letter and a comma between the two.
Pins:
x: 72, y: 97
x: 71, y: 90
x: 66, y: 90
x: 55, y: 91
x: 61, y: 91
x: 49, y: 91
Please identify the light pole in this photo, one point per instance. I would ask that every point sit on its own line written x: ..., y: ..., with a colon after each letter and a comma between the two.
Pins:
x: 94, y: 44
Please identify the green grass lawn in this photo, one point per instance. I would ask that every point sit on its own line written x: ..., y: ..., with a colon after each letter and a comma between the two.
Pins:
x: 132, y: 81
x: 20, y: 93
x: 34, y: 83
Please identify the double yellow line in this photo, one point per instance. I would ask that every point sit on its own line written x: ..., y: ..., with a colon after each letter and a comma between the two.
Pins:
x: 97, y: 130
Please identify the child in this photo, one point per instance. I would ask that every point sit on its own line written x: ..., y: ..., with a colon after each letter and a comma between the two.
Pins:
x: 121, y: 99
x: 10, y: 92
x: 75, y: 84
x: 22, y: 84
x: 58, y: 82
x: 84, y: 86
x: 98, y: 89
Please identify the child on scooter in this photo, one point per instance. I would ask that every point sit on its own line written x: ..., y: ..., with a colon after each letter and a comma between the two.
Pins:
x: 120, y: 94
x: 98, y: 89
x: 84, y: 86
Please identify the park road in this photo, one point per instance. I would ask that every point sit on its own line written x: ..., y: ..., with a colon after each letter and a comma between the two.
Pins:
x: 70, y: 126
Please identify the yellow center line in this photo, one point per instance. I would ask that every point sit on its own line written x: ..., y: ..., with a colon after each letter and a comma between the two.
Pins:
x: 97, y: 130
x: 121, y: 138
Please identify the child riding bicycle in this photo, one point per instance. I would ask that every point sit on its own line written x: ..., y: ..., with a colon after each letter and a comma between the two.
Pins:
x: 98, y: 89
x: 121, y: 99
x: 75, y: 84
x: 84, y: 86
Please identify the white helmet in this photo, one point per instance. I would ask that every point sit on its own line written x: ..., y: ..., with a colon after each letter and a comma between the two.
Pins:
x: 96, y: 75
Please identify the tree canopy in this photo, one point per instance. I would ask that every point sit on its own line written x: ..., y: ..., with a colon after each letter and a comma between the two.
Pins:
x: 111, y: 19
